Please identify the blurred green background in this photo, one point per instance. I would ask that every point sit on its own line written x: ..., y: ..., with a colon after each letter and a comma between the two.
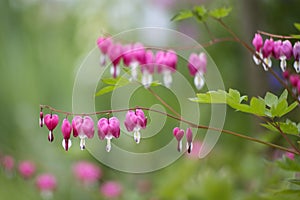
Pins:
x: 44, y: 42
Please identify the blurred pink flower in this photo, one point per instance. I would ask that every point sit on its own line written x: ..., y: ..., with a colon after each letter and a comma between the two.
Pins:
x: 8, y: 163
x: 27, y: 169
x: 195, y: 150
x: 290, y: 155
x: 87, y: 173
x: 111, y: 189
x: 46, y: 184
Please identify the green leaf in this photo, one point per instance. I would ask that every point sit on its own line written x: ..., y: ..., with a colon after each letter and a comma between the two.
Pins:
x: 271, y: 99
x: 184, y: 14
x: 297, y: 26
x: 155, y: 83
x: 200, y: 13
x: 290, y: 108
x: 220, y: 12
x: 105, y: 90
x: 287, y: 127
x: 279, y: 109
x: 288, y: 164
x: 116, y: 81
x: 258, y: 106
x: 284, y: 95
x: 295, y: 181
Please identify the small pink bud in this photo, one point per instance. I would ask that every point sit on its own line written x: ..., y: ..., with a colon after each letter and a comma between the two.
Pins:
x: 294, y: 79
x: 51, y: 122
x: 26, y: 169
x: 66, y: 130
x: 257, y: 42
x: 178, y: 133
x: 111, y: 189
x: 286, y: 74
x: 41, y: 119
x: 290, y: 155
x: 189, y: 139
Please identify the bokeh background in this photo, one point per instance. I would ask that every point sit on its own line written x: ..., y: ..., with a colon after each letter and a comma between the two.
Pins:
x: 43, y: 43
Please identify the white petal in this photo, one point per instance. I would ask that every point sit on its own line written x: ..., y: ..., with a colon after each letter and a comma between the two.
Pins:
x: 297, y: 66
x: 134, y: 71
x: 146, y: 79
x: 199, y: 80
x: 167, y: 78
x: 283, y: 64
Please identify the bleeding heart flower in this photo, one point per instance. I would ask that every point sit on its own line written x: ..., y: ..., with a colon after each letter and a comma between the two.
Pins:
x: 178, y: 133
x: 84, y: 128
x: 66, y: 130
x: 51, y: 121
x: 135, y: 121
x: 108, y: 129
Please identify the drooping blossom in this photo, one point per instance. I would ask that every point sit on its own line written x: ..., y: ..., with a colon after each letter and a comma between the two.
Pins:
x: 147, y: 68
x: 108, y: 129
x: 115, y: 53
x: 296, y: 53
x: 257, y: 43
x: 134, y: 122
x: 294, y: 79
x: 51, y: 121
x: 111, y: 189
x: 8, y: 163
x: 133, y: 57
x: 46, y: 184
x: 103, y: 44
x: 41, y: 119
x: 197, y: 65
x: 87, y: 173
x: 282, y: 51
x: 189, y: 139
x: 166, y: 64
x: 84, y: 128
x: 66, y: 130
x: 178, y: 134
x: 26, y: 169
x: 267, y: 53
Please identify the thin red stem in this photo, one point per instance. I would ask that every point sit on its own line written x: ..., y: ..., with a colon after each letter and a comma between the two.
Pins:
x: 275, y: 36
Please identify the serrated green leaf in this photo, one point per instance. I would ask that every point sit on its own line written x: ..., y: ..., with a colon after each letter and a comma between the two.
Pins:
x: 287, y: 127
x: 220, y: 12
x: 258, y: 106
x: 297, y: 26
x: 184, y: 14
x: 270, y: 99
x: 105, y: 90
x: 270, y: 127
x: 290, y: 108
x: 235, y: 95
x: 200, y: 13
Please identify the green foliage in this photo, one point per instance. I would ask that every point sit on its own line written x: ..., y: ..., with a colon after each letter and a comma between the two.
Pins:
x: 289, y: 164
x: 297, y: 26
x: 287, y: 127
x: 270, y: 106
x: 201, y: 13
x: 113, y: 83
x: 220, y: 12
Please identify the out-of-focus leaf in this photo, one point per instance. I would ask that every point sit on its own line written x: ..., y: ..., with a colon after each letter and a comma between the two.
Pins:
x: 271, y: 99
x: 220, y: 12
x: 200, y: 13
x: 116, y: 81
x: 287, y: 127
x: 288, y: 164
x: 105, y: 90
x: 155, y: 83
x: 295, y: 181
x: 184, y: 14
x: 297, y: 26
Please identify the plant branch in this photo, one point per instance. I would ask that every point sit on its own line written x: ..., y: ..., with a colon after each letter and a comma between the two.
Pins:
x: 275, y: 36
x: 176, y: 118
